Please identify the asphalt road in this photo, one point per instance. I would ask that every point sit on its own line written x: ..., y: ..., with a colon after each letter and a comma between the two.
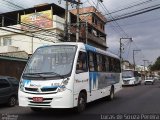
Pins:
x: 133, y: 102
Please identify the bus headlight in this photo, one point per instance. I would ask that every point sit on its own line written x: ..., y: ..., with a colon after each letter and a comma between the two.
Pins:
x: 63, y: 85
x: 132, y: 81
x: 61, y: 88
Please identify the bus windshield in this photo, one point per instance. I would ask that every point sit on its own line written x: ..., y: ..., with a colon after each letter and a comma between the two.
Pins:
x: 51, y: 61
x: 127, y: 74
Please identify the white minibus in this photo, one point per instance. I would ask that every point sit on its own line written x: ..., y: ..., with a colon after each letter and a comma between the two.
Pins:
x: 131, y: 77
x: 68, y: 75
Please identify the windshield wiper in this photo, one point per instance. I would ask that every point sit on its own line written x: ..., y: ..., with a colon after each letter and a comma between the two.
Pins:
x: 43, y: 74
x: 53, y: 73
x: 32, y: 74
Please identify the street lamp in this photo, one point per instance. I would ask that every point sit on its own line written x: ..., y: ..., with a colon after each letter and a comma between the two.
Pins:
x: 134, y: 64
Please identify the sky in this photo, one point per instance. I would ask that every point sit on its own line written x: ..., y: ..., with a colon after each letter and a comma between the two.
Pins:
x: 144, y: 29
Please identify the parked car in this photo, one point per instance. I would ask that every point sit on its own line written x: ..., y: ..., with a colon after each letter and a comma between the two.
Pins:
x: 149, y: 80
x: 8, y: 90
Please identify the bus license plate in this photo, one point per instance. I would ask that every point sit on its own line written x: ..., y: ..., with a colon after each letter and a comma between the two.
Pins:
x: 37, y: 99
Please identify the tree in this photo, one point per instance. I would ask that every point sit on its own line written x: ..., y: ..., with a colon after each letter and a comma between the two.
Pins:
x: 156, y: 65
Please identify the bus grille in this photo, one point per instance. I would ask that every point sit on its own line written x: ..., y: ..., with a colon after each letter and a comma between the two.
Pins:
x: 41, y: 90
x: 31, y: 89
x: 45, y: 102
x: 48, y: 89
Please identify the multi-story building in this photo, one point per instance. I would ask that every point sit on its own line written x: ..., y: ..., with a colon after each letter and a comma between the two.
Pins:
x: 25, y: 30
x: 92, y: 26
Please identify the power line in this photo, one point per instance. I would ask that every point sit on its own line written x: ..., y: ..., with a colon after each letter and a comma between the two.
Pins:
x: 141, y: 3
x: 141, y: 22
x: 13, y: 4
x: 116, y: 30
x: 138, y: 10
x: 135, y: 13
x: 120, y: 28
x: 7, y: 6
x: 105, y: 9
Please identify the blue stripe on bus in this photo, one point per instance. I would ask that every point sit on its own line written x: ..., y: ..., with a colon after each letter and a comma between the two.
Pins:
x: 90, y: 48
x: 92, y: 79
x: 26, y: 82
x: 99, y: 80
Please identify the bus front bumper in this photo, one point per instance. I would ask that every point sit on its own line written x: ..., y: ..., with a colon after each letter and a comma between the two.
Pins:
x: 57, y: 100
x: 128, y: 82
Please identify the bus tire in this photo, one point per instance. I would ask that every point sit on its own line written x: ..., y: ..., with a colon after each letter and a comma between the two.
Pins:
x: 81, y: 105
x: 111, y: 96
x: 36, y: 109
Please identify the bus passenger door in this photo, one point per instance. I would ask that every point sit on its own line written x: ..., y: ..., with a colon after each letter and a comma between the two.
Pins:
x: 82, y: 75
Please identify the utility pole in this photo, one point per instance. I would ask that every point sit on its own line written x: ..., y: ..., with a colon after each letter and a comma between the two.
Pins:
x: 120, y: 49
x: 144, y: 68
x: 144, y: 63
x: 134, y: 64
x: 77, y: 30
x: 66, y: 22
x: 87, y: 30
x: 66, y: 18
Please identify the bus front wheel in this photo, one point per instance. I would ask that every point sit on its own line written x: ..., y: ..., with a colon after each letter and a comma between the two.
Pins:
x: 81, y: 102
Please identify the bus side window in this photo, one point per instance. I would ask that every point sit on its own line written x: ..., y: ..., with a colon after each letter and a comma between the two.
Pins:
x: 81, y: 63
x: 117, y: 66
x: 105, y: 64
x: 91, y: 61
x: 99, y: 63
x: 111, y: 65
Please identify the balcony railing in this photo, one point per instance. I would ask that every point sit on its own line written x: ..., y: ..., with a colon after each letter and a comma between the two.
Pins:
x: 90, y: 36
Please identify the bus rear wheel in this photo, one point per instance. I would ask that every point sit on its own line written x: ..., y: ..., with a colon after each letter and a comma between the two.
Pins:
x: 81, y: 102
x: 111, y: 96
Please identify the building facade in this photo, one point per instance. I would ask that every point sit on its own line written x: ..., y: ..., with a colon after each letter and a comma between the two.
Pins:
x: 26, y: 30
x: 92, y: 26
